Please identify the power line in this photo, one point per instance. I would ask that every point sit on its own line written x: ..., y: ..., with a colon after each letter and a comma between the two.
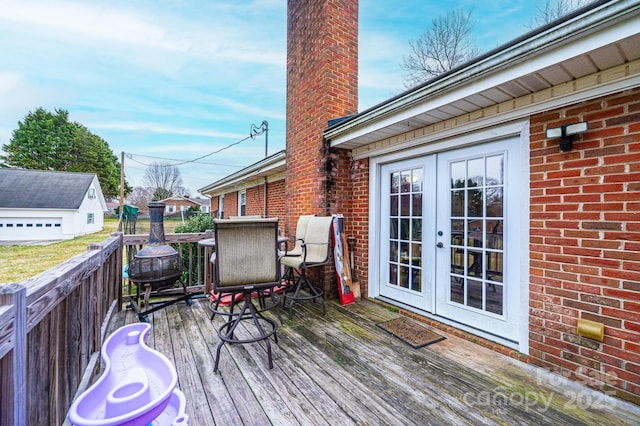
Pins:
x: 132, y: 157
x: 181, y: 162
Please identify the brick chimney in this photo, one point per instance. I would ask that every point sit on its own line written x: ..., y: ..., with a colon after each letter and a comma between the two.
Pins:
x: 322, y: 84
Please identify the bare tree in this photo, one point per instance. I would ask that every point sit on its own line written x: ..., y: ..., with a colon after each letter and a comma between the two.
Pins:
x: 554, y: 9
x: 140, y: 197
x: 164, y: 180
x: 446, y: 44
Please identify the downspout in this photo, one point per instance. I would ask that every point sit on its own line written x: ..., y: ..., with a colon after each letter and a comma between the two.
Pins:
x: 265, y: 197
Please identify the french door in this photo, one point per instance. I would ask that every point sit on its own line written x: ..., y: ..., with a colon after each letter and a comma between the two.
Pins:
x: 449, y: 239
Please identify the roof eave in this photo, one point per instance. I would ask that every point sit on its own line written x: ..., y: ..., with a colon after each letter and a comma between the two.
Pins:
x: 267, y: 166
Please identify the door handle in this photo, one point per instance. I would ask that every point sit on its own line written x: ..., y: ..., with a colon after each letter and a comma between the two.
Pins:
x: 440, y: 245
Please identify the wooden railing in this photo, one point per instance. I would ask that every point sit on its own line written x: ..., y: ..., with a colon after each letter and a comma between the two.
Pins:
x: 196, y: 259
x: 52, y: 326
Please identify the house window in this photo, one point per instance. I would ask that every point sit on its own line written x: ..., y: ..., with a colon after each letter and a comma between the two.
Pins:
x: 184, y: 208
x: 92, y: 193
x: 171, y: 208
x: 242, y: 203
x: 89, y: 218
x: 222, y: 207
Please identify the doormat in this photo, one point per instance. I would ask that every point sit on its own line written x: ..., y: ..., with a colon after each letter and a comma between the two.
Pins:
x: 410, y: 332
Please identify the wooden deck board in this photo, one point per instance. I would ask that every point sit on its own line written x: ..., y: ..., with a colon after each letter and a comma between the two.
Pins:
x: 342, y: 369
x: 229, y: 395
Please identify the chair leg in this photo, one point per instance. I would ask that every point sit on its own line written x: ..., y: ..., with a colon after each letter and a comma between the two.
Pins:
x: 249, y: 311
x: 315, y: 293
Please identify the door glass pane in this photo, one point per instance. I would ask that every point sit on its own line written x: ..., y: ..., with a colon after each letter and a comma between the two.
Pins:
x: 458, y: 174
x: 475, y: 203
x: 494, y: 234
x: 495, y: 170
x: 393, y: 274
x: 405, y: 233
x: 393, y: 251
x: 457, y: 232
x: 477, y: 225
x: 416, y: 230
x: 405, y: 205
x: 457, y: 203
x: 494, y: 202
x: 475, y: 172
x: 404, y: 229
x: 416, y: 254
x: 474, y: 294
x: 416, y: 205
x: 457, y: 290
x: 393, y: 205
x: 416, y: 279
x: 404, y: 276
x: 393, y: 228
x: 495, y: 298
x: 416, y: 180
x: 405, y: 181
x: 395, y: 183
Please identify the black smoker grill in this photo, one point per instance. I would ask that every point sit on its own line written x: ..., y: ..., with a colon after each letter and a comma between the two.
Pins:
x: 156, y: 267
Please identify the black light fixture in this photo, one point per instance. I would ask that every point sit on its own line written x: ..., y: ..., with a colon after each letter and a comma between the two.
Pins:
x: 566, y: 133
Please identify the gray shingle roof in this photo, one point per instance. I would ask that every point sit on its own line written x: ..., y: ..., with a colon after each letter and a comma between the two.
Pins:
x: 40, y: 189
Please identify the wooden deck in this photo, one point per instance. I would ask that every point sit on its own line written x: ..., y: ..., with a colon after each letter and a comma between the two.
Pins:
x: 341, y: 369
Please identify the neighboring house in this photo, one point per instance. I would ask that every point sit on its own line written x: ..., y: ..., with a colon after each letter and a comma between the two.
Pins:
x: 465, y: 209
x: 205, y: 204
x: 44, y: 205
x: 179, y: 204
x: 244, y: 193
x: 111, y: 208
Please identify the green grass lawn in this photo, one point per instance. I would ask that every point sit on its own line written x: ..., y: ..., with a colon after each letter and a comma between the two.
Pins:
x: 17, y: 263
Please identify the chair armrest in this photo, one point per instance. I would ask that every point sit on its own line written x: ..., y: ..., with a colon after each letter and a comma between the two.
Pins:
x: 287, y: 253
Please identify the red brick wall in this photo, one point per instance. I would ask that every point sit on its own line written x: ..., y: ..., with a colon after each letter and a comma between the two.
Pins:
x: 255, y: 201
x: 215, y: 204
x: 585, y: 244
x: 358, y: 226
x: 275, y: 201
x: 322, y: 84
x: 230, y: 204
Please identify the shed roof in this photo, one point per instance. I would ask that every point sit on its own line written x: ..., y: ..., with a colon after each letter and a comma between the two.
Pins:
x: 41, y: 189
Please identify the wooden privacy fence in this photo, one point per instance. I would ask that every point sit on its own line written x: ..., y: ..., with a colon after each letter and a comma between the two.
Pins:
x: 52, y: 325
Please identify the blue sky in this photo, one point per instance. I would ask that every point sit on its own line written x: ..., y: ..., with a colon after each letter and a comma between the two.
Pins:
x: 175, y: 80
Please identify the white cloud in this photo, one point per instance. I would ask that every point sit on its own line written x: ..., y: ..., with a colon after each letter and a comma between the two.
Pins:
x: 160, y: 128
x: 87, y: 23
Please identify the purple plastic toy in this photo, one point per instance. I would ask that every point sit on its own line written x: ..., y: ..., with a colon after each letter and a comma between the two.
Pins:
x: 138, y: 386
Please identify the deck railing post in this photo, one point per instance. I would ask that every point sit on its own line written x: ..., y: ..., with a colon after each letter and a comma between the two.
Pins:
x: 16, y: 295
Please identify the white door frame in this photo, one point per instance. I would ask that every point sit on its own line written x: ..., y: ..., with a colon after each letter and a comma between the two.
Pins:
x: 518, y: 129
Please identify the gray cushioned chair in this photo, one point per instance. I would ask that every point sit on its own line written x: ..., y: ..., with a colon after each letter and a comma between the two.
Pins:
x: 246, y: 262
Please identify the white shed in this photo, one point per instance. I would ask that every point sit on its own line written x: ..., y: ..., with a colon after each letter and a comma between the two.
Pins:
x: 45, y: 205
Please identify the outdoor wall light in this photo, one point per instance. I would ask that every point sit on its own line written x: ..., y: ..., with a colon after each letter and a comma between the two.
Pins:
x: 566, y: 133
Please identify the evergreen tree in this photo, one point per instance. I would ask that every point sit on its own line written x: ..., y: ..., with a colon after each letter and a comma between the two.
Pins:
x: 49, y: 141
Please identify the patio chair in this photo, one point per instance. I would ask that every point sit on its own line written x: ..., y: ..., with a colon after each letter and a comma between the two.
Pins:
x: 315, y: 252
x: 246, y: 264
x: 301, y: 227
